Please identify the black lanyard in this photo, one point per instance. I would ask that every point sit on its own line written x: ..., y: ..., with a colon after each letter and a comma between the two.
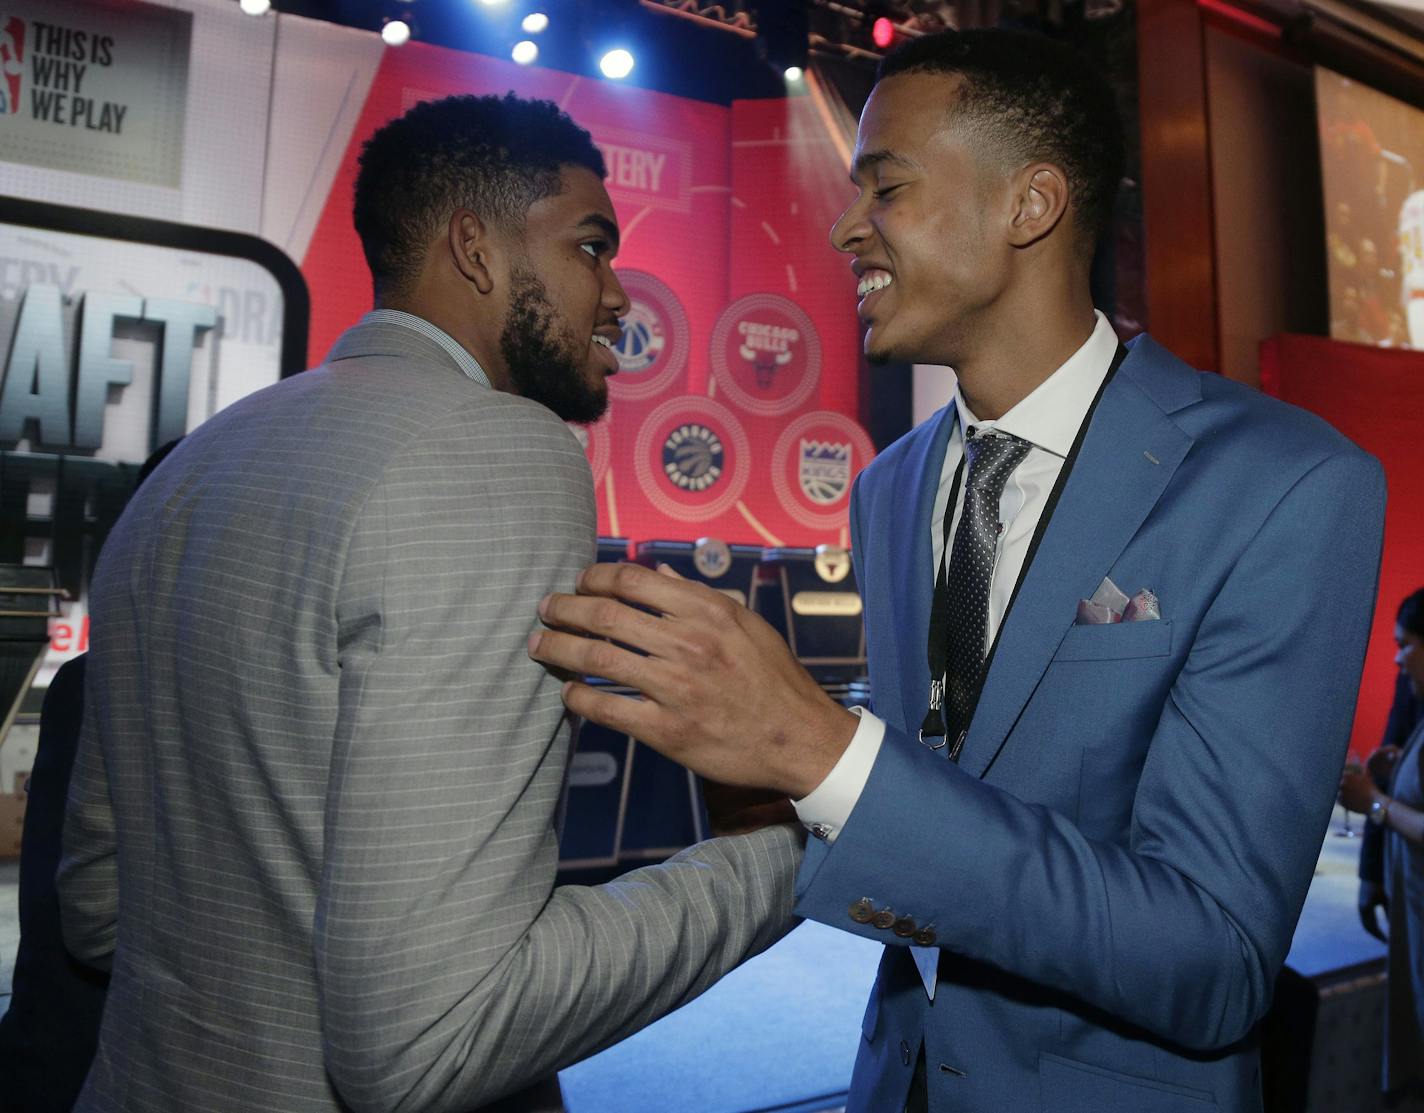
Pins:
x: 933, y: 725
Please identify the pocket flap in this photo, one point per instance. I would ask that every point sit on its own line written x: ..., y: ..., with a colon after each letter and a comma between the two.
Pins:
x: 1066, y: 1086
x: 1116, y: 641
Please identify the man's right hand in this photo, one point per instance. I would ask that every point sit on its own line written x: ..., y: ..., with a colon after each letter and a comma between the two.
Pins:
x: 1371, y: 900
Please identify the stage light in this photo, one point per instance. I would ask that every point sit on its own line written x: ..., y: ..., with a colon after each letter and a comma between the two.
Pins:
x: 255, y: 7
x: 396, y: 32
x: 783, y: 36
x: 616, y: 63
x: 535, y: 22
x: 493, y: 3
x: 524, y: 52
x: 882, y: 32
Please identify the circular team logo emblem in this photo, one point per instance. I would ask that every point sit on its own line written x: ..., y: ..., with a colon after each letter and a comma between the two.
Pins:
x: 766, y: 354
x: 692, y: 458
x: 832, y: 563
x: 596, y: 446
x: 712, y: 558
x: 656, y: 339
x: 812, y: 466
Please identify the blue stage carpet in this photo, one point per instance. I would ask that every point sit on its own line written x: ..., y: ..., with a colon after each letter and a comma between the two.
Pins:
x: 781, y: 1033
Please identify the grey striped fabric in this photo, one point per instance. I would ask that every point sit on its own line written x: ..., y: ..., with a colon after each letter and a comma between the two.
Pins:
x: 328, y: 865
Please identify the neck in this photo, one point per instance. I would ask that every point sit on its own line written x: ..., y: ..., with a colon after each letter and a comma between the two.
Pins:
x: 468, y: 334
x: 1021, y: 348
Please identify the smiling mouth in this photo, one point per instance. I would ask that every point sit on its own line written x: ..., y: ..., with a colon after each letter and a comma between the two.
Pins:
x: 873, y: 281
x: 607, y: 351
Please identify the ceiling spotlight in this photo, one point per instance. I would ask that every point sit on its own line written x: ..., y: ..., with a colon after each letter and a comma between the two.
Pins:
x: 524, y: 52
x: 616, y: 63
x: 493, y: 3
x: 535, y: 22
x: 783, y: 36
x: 396, y: 32
x: 255, y: 7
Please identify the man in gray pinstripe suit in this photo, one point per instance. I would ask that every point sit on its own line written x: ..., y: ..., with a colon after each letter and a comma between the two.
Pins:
x: 312, y: 824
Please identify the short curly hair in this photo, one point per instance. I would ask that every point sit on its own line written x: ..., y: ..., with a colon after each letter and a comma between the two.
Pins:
x: 1031, y: 98
x: 493, y: 155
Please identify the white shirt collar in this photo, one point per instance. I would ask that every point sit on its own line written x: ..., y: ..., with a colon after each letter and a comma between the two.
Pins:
x: 1049, y: 418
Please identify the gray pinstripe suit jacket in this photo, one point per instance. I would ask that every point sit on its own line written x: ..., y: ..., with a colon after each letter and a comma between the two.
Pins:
x: 326, y: 876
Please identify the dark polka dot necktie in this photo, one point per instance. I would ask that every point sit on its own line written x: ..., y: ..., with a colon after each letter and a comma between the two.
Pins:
x: 992, y: 459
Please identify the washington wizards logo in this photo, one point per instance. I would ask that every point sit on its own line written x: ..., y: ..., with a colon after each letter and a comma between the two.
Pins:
x: 12, y: 62
x: 824, y: 470
x: 643, y: 339
x: 693, y: 457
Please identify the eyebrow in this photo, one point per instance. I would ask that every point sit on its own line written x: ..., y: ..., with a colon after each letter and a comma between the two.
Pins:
x: 604, y: 225
x: 870, y: 159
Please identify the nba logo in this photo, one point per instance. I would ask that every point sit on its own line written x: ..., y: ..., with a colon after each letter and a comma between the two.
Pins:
x: 12, y: 62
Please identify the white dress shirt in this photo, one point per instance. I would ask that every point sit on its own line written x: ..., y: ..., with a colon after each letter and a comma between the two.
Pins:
x: 1048, y: 419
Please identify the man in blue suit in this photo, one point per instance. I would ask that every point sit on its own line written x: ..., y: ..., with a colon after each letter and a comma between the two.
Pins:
x: 1083, y: 820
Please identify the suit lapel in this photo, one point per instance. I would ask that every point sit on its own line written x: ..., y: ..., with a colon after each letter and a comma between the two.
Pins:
x: 1112, y: 488
x: 912, y: 564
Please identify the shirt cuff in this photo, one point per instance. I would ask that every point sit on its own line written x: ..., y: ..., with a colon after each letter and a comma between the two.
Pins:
x: 827, y: 807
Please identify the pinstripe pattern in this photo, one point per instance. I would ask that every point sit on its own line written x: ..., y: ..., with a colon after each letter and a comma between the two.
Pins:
x: 335, y: 772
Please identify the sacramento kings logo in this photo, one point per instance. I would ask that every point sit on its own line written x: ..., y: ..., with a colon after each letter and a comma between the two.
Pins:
x: 692, y: 457
x: 656, y: 339
x: 815, y: 459
x: 824, y: 471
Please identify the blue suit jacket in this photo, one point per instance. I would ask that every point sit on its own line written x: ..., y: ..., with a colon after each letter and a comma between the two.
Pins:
x: 1115, y: 867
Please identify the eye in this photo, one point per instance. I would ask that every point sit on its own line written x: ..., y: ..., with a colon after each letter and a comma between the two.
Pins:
x: 885, y: 191
x: 595, y: 248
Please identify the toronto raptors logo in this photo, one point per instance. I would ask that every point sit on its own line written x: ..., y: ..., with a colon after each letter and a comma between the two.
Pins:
x: 692, y: 458
x: 12, y: 62
x: 656, y: 339
x: 812, y: 466
x: 766, y: 354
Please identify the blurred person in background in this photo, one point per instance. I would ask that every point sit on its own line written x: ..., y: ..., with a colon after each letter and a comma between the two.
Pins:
x: 1397, y: 809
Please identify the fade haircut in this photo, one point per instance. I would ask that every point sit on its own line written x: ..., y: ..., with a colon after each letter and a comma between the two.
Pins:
x: 1030, y: 99
x: 492, y: 155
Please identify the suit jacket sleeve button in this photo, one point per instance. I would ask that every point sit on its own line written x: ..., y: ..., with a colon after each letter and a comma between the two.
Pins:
x: 862, y: 910
x: 925, y: 937
x: 904, y: 1053
x: 883, y: 919
x: 905, y: 927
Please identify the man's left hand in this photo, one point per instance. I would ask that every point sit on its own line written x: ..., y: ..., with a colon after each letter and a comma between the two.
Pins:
x: 722, y: 693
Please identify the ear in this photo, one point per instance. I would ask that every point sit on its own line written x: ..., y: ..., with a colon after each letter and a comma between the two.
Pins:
x: 473, y: 248
x: 1041, y: 200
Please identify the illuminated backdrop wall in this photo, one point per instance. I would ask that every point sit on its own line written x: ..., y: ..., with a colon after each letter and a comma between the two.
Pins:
x: 733, y: 416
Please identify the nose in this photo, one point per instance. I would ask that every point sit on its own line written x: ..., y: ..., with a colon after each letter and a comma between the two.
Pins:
x: 615, y: 298
x: 851, y: 228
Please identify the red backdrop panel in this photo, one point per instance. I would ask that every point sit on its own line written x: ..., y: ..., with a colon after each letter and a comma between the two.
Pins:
x: 734, y: 413
x: 1376, y: 398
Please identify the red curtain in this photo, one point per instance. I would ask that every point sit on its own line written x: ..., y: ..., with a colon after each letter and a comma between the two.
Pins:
x: 1375, y: 396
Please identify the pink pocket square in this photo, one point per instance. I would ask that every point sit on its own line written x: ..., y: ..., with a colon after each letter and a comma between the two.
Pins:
x: 1110, y: 604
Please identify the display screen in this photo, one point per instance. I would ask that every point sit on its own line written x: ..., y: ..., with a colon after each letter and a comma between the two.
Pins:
x: 1372, y: 162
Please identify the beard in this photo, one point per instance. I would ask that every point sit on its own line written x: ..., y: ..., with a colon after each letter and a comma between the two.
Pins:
x: 544, y: 357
